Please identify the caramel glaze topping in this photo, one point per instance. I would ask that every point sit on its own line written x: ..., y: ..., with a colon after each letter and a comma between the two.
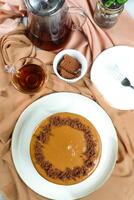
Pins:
x: 65, y: 149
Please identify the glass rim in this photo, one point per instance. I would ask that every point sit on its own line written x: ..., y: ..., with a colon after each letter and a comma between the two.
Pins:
x: 42, y: 67
x: 28, y: 57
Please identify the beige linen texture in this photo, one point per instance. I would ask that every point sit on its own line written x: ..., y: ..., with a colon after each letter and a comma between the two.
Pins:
x: 15, y: 45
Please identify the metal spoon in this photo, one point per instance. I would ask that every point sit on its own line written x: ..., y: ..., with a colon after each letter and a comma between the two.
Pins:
x: 127, y: 83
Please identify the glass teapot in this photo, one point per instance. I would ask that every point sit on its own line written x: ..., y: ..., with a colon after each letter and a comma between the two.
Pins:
x: 50, y: 23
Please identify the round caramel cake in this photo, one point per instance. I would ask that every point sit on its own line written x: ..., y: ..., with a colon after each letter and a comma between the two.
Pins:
x: 65, y: 148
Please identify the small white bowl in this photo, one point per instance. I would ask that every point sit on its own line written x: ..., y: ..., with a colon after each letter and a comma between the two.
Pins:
x: 76, y: 54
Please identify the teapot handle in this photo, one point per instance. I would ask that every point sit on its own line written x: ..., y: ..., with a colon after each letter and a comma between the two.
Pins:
x: 78, y: 17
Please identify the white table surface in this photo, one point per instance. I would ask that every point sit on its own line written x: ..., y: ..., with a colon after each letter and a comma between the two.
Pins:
x: 130, y: 8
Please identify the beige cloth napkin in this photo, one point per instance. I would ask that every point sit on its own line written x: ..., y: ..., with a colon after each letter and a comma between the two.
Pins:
x: 15, y: 45
x: 10, y: 13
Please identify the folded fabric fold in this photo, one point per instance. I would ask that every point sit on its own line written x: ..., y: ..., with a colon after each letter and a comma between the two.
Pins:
x: 16, y: 45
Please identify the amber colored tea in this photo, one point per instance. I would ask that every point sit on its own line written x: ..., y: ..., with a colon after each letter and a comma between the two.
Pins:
x: 29, y: 78
x: 49, y: 42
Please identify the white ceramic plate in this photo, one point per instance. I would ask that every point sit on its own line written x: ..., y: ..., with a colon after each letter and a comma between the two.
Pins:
x: 42, y: 108
x: 108, y: 82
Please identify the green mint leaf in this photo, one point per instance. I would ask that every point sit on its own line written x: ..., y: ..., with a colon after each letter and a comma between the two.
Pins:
x: 121, y: 1
x: 109, y: 3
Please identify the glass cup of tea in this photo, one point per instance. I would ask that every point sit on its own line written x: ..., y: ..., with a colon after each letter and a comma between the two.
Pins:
x: 28, y: 74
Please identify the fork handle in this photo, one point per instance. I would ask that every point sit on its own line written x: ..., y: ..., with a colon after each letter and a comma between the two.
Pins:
x: 132, y: 86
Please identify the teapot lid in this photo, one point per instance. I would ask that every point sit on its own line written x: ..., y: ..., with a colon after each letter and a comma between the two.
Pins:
x: 44, y: 7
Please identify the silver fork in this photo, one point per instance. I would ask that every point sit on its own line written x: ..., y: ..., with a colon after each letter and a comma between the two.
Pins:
x: 126, y: 82
x: 120, y: 76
